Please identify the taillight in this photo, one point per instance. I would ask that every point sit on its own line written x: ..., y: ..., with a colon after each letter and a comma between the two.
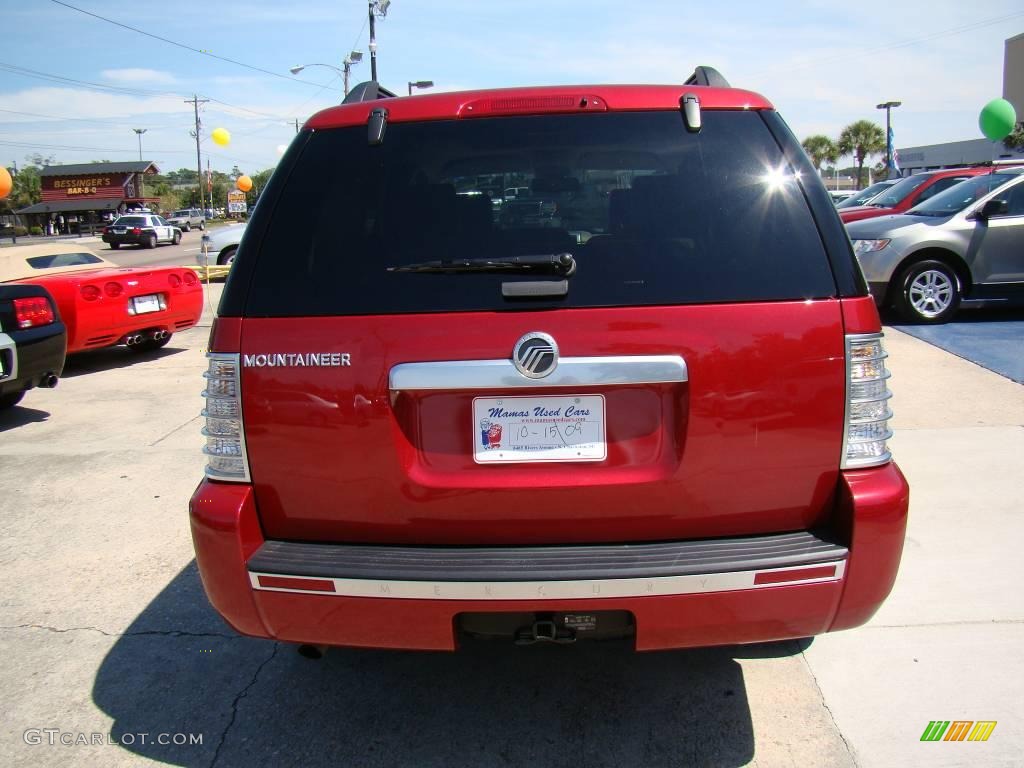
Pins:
x: 866, y: 435
x: 29, y: 313
x: 106, y: 230
x: 113, y: 290
x: 90, y: 292
x: 190, y: 278
x: 174, y: 280
x: 225, y: 438
x: 136, y: 231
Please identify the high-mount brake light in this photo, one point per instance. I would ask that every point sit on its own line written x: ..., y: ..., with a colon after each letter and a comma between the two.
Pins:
x: 533, y: 105
x: 225, y: 438
x: 866, y: 431
x: 33, y: 312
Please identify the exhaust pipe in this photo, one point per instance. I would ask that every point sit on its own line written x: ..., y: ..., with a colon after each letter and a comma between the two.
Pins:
x: 315, y: 652
x: 49, y: 381
x: 158, y: 335
x: 133, y: 339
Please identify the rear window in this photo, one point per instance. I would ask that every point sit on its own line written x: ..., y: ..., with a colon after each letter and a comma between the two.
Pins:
x: 651, y: 213
x: 62, y: 260
x: 132, y: 221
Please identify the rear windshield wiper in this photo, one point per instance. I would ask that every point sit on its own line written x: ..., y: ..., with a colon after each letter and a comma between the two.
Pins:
x: 561, y: 264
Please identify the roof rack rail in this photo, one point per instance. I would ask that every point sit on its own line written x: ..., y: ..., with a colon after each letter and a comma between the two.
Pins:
x: 708, y: 76
x: 368, y: 91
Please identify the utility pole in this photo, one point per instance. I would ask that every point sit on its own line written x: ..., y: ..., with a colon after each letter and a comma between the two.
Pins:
x: 296, y: 125
x: 195, y: 101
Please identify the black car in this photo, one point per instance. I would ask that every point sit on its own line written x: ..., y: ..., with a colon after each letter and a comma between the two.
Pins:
x: 145, y: 229
x: 32, y: 342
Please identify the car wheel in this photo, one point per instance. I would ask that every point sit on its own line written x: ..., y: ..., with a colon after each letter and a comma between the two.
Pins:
x: 114, y: 246
x: 928, y: 292
x: 227, y: 256
x: 177, y: 238
x: 150, y: 242
x: 202, y: 225
x: 10, y: 400
x: 148, y: 345
x: 187, y: 226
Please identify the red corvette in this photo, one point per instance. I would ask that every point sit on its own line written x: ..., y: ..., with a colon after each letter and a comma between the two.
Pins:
x: 103, y: 304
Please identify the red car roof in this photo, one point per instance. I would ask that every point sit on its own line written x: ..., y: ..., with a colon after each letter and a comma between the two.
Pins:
x: 550, y: 99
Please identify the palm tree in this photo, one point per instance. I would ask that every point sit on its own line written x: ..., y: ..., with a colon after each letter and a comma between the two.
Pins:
x: 861, y: 139
x: 821, y: 149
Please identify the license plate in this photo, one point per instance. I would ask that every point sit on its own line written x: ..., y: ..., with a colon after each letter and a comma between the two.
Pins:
x: 143, y: 304
x: 119, y: 231
x: 520, y: 429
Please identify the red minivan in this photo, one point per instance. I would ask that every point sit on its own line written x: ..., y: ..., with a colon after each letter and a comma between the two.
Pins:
x: 657, y: 411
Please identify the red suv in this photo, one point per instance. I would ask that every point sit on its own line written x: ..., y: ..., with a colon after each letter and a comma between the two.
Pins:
x: 659, y: 413
x: 908, y: 192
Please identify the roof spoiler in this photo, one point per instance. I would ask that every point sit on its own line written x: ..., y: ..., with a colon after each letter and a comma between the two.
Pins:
x: 368, y: 91
x: 707, y: 76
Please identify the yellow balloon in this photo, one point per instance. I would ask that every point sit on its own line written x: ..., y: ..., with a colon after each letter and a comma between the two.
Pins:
x: 244, y: 183
x: 220, y: 137
x: 5, y: 183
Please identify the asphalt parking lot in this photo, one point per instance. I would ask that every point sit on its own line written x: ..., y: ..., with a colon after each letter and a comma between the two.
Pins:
x: 106, y: 632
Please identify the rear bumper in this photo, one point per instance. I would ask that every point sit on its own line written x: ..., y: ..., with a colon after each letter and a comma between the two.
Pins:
x: 31, y: 355
x: 706, y: 593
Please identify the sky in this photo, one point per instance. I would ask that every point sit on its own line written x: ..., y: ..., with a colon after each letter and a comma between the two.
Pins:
x: 73, y: 86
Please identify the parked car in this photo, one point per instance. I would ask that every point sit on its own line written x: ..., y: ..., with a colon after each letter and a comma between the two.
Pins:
x: 32, y: 342
x: 224, y: 243
x: 102, y: 304
x: 187, y: 218
x: 839, y: 195
x: 865, y: 195
x: 144, y: 230
x: 673, y: 430
x: 963, y: 247
x: 908, y: 192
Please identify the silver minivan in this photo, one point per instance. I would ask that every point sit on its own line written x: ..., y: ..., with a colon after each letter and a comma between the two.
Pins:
x: 962, y: 247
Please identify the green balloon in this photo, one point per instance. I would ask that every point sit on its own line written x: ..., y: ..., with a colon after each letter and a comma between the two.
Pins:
x: 997, y: 119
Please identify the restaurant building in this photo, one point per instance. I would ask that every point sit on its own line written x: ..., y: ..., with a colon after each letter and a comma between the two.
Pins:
x: 81, y: 198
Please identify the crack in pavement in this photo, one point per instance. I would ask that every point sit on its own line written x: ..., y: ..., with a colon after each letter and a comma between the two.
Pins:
x: 141, y: 633
x: 234, y: 704
x: 176, y: 429
x: 849, y: 749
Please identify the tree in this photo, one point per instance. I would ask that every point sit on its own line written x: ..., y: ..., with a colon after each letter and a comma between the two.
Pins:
x: 1015, y: 141
x: 821, y: 149
x: 861, y: 139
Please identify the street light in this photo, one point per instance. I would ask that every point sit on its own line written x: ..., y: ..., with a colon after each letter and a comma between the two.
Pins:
x: 889, y: 148
x: 353, y: 58
x: 420, y: 84
x: 139, y: 132
x: 376, y: 8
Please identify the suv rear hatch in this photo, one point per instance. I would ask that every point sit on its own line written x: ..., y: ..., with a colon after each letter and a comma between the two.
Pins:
x: 699, y: 390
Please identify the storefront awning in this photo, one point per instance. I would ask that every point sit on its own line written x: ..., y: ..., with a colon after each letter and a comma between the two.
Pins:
x: 71, y: 206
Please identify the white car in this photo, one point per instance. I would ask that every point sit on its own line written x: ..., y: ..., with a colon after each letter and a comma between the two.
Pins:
x: 224, y: 243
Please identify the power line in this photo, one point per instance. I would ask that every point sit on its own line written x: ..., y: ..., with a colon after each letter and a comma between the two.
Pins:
x: 290, y: 79
x: 902, y: 43
x: 34, y: 73
x: 77, y: 119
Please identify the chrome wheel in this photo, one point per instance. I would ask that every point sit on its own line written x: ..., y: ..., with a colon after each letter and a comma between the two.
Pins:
x: 931, y: 293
